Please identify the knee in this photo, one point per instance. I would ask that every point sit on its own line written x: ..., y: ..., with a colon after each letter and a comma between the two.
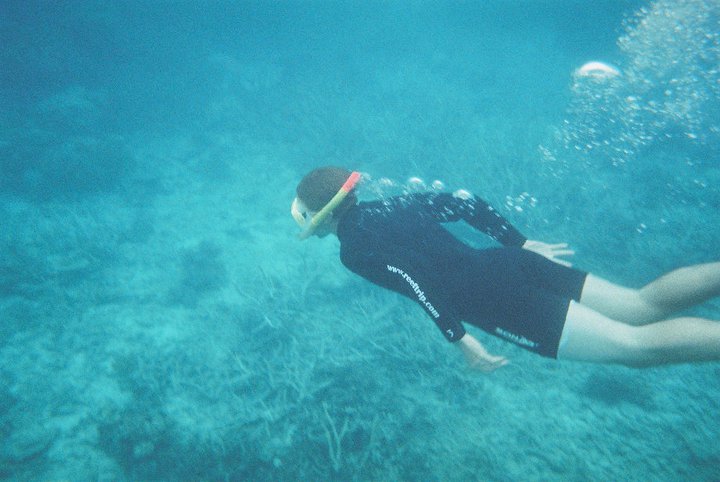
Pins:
x: 635, y: 350
x: 643, y: 309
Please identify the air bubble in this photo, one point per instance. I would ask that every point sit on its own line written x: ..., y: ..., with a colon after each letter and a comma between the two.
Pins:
x: 415, y: 184
x: 462, y: 194
x: 597, y: 70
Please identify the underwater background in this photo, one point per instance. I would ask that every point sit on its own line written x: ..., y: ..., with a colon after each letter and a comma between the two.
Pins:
x: 160, y: 320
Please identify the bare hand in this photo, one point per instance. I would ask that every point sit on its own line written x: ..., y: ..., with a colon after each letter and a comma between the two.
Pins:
x: 488, y: 363
x: 550, y: 251
x: 477, y: 357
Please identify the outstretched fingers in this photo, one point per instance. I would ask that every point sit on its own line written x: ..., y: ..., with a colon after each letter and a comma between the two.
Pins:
x: 553, y: 252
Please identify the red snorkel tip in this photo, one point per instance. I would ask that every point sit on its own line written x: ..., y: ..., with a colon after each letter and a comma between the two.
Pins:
x: 351, y: 181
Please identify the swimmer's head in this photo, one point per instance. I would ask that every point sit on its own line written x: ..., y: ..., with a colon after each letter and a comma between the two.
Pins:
x: 316, y: 190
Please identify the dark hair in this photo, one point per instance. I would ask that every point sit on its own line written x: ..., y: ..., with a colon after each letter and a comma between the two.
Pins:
x: 319, y: 186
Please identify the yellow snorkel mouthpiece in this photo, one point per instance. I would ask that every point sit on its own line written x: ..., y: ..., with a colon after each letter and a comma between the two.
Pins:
x: 321, y: 215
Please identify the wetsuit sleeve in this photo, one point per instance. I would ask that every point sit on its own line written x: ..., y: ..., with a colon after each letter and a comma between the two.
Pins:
x: 477, y: 213
x: 452, y: 329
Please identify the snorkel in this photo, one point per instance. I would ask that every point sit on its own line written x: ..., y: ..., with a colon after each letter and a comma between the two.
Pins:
x: 320, y: 216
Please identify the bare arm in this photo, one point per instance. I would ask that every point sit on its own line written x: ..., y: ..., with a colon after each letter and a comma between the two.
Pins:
x: 477, y: 356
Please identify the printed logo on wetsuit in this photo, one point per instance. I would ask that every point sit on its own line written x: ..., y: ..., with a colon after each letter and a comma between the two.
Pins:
x: 416, y: 288
x: 519, y: 339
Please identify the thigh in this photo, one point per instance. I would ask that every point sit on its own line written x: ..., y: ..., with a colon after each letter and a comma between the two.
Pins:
x: 617, y: 302
x: 593, y: 337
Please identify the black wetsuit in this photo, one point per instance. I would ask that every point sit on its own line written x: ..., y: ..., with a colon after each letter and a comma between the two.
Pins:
x: 400, y: 244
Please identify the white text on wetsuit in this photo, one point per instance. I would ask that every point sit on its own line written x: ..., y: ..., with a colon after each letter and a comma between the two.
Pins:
x: 416, y: 288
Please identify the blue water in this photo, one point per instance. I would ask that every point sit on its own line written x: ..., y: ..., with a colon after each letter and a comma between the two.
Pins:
x: 159, y: 319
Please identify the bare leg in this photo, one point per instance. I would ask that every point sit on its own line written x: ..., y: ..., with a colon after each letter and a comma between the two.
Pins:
x: 672, y: 292
x: 592, y: 337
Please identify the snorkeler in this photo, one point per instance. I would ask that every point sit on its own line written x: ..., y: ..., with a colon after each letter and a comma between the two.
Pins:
x: 522, y: 292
